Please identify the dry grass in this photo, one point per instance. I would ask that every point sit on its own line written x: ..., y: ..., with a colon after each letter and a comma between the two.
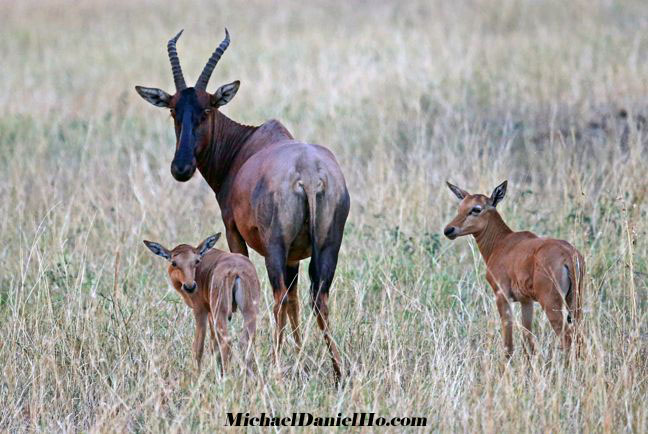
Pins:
x: 548, y: 94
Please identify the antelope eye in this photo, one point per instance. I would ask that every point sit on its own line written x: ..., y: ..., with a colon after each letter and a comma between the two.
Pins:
x: 475, y: 210
x: 197, y: 261
x: 174, y: 263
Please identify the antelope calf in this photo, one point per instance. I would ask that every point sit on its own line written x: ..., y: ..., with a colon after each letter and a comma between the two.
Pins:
x: 214, y: 283
x: 522, y: 267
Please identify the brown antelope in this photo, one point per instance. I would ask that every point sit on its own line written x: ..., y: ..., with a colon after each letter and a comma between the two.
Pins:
x: 522, y: 267
x: 286, y: 199
x: 213, y: 283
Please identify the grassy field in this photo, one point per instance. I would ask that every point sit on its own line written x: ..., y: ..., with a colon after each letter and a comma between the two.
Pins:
x: 548, y: 94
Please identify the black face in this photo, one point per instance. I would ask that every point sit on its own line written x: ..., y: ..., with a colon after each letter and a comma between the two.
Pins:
x: 188, y: 116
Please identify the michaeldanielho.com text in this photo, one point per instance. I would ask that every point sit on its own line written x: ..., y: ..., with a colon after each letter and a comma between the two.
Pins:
x: 307, y: 419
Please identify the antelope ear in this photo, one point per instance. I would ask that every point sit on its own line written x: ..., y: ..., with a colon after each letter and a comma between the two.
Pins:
x: 208, y: 243
x: 498, y: 194
x: 158, y: 249
x: 225, y: 93
x: 157, y: 97
x: 457, y: 191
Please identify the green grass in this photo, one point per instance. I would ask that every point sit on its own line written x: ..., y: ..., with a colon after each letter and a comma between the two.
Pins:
x: 407, y: 96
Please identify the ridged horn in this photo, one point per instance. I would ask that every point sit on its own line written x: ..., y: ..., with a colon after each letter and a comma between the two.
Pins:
x: 178, y: 78
x: 211, y: 63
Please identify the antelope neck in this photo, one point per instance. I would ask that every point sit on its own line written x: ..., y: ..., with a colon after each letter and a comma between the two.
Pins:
x: 488, y: 237
x: 226, y: 138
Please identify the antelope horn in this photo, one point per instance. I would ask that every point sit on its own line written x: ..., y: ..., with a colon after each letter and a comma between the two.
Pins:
x: 211, y: 63
x: 175, y: 63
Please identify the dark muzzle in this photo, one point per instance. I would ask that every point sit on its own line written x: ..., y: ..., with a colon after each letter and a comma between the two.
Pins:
x: 189, y: 288
x: 182, y: 171
x: 450, y: 232
x: 183, y: 165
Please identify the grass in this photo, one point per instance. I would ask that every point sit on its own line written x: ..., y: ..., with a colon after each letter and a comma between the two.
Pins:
x: 547, y: 94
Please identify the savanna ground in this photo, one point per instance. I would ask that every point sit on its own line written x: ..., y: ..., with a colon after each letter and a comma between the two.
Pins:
x: 550, y: 95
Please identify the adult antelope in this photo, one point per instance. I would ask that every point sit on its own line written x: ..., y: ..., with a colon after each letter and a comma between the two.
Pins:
x: 522, y: 267
x: 286, y: 199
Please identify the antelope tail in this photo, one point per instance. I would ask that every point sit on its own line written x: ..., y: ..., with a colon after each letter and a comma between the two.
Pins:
x: 231, y: 293
x: 567, y: 286
x: 237, y: 290
x: 311, y: 190
x: 573, y: 285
